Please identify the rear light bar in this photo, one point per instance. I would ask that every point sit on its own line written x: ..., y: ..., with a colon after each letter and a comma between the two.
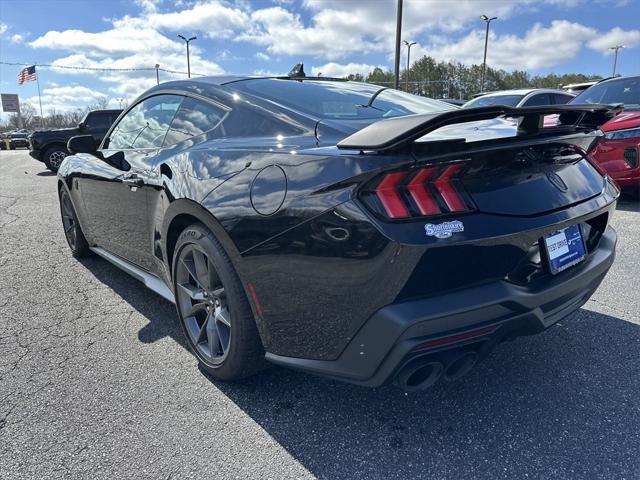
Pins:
x: 439, y: 342
x: 428, y: 191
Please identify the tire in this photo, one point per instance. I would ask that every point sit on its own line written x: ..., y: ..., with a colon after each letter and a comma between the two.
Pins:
x: 213, y: 308
x: 53, y: 157
x: 72, y: 230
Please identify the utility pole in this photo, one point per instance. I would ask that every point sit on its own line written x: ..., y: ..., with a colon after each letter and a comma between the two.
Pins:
x: 398, y: 37
x: 487, y: 20
x: 158, y: 73
x: 409, y: 45
x: 615, y: 58
x: 187, y: 41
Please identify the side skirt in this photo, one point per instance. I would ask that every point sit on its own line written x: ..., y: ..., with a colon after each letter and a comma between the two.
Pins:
x: 152, y: 282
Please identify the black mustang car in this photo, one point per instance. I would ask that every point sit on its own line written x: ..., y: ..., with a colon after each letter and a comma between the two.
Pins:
x: 342, y: 228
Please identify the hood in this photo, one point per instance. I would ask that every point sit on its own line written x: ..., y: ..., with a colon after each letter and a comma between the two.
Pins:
x: 623, y: 121
x: 57, y: 130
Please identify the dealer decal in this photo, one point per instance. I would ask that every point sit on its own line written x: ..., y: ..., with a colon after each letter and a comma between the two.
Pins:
x: 444, y: 230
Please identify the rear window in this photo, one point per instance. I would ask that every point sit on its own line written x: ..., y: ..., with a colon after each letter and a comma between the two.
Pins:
x: 340, y: 100
x: 488, y: 100
x: 624, y: 90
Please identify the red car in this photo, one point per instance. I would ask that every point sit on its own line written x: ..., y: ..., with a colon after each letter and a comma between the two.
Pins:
x: 619, y: 150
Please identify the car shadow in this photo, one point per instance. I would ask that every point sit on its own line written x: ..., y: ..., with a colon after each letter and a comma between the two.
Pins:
x: 562, y: 404
x: 163, y: 321
x: 629, y: 201
x: 46, y: 173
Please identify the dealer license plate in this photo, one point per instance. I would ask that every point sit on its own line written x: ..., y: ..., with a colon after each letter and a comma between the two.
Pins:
x: 565, y: 248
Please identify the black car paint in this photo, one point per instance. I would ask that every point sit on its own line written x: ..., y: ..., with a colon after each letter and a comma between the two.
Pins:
x: 42, y: 140
x: 321, y: 265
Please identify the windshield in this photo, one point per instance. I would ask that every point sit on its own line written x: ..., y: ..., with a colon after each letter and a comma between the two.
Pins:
x: 340, y: 100
x: 624, y: 90
x: 487, y: 100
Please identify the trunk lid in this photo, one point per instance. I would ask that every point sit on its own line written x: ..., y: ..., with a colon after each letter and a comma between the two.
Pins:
x: 532, y: 180
x: 494, y: 160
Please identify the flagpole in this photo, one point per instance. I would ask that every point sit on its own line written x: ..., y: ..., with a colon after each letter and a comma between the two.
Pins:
x: 39, y: 97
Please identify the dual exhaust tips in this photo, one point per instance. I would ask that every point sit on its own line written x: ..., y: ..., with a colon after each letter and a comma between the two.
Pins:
x: 422, y: 373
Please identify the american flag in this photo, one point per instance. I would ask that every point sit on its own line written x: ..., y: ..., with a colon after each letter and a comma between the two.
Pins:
x: 27, y: 74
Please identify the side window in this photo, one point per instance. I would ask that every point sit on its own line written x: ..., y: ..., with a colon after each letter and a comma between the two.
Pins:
x: 562, y: 99
x: 193, y: 118
x: 246, y: 122
x: 98, y: 120
x: 539, y: 99
x: 146, y: 124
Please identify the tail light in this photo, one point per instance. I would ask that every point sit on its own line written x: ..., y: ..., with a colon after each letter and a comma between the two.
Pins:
x: 428, y: 191
x: 594, y: 163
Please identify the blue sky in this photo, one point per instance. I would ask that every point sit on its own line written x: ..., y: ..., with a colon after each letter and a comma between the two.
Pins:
x: 335, y: 37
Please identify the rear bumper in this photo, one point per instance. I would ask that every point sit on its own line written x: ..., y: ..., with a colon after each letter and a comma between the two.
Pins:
x: 488, y: 312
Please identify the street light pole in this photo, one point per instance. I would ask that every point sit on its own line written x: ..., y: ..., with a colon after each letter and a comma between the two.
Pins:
x: 409, y: 45
x: 158, y: 73
x: 187, y: 41
x: 396, y: 81
x: 615, y: 58
x: 487, y: 20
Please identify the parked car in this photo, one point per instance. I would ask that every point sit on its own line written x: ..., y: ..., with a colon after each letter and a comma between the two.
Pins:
x: 521, y: 98
x: 576, y: 88
x: 343, y: 228
x: 18, y: 140
x: 618, y: 151
x: 50, y: 146
x: 454, y: 101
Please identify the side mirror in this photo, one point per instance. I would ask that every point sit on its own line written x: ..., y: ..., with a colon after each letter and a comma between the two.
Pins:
x: 82, y: 126
x: 82, y: 144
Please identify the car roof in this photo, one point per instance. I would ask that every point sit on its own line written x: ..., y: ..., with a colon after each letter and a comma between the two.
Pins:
x: 613, y: 79
x: 226, y: 79
x: 525, y: 91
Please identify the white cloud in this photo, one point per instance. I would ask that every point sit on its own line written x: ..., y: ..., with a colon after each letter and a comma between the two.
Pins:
x: 130, y: 84
x: 17, y: 38
x: 333, y: 69
x: 213, y: 18
x: 65, y: 99
x: 3, y: 28
x: 125, y: 39
x: 537, y: 48
x: 615, y: 36
x: 262, y: 56
x: 332, y: 34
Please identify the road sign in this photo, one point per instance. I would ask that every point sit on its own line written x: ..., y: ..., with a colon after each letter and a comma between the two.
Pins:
x: 10, y: 102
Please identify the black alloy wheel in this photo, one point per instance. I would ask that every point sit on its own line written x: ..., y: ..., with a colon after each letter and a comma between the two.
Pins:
x: 213, y: 308
x: 203, y: 304
x: 72, y: 230
x: 53, y: 157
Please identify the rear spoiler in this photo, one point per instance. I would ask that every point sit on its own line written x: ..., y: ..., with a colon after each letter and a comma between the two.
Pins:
x: 398, y: 132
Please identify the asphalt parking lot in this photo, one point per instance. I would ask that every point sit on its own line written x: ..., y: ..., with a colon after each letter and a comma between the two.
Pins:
x: 95, y: 382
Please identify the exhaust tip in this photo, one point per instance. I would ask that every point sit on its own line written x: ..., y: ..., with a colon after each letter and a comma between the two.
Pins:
x: 460, y: 366
x: 419, y: 376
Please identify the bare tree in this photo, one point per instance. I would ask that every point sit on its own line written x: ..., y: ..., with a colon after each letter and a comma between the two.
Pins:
x: 102, y: 103
x: 27, y: 113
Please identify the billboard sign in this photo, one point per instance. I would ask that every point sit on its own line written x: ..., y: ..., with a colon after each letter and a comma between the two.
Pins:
x: 10, y: 102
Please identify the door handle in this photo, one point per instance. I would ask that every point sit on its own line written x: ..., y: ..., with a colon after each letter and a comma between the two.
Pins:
x: 133, y: 180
